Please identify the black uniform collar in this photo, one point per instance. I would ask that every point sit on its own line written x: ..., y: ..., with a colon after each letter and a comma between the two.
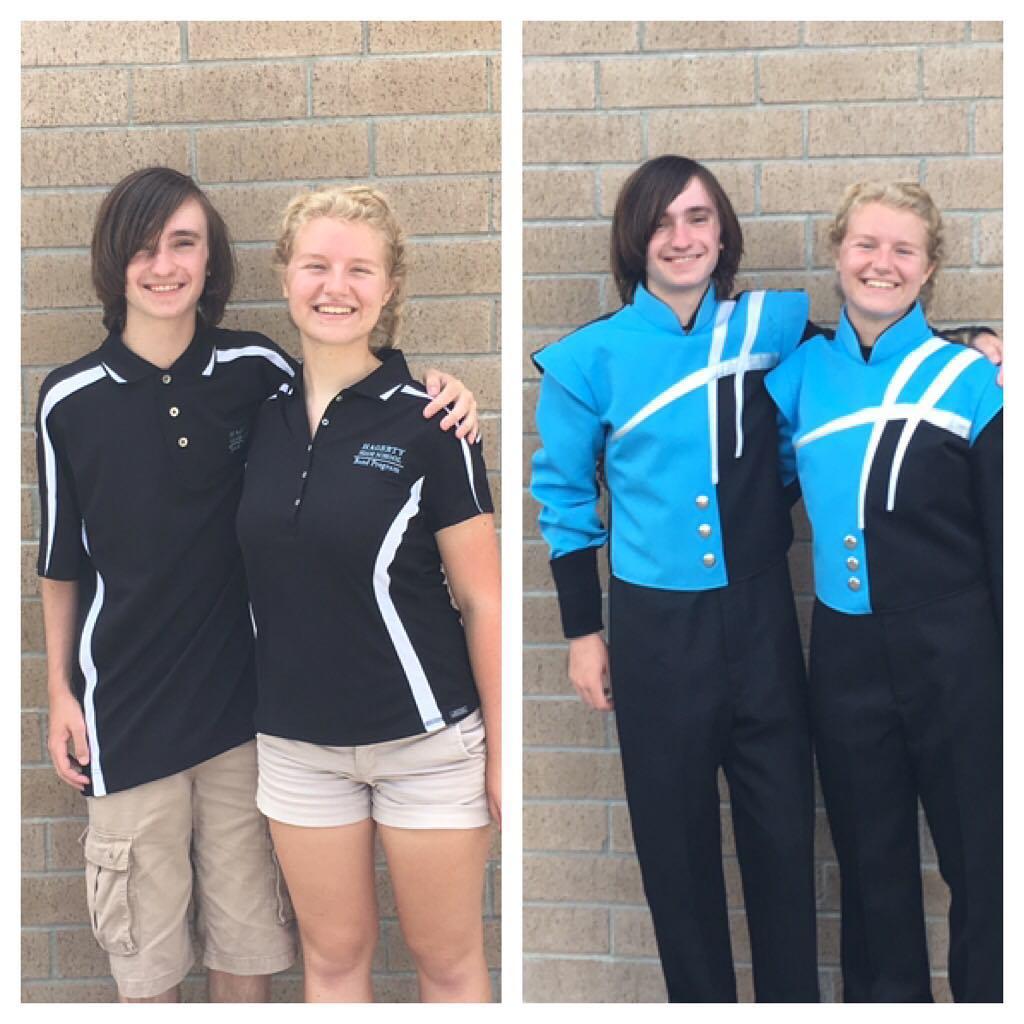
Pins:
x: 381, y: 384
x: 125, y: 366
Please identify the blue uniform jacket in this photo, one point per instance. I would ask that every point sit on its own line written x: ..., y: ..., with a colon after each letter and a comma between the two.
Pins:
x: 900, y: 464
x: 688, y: 440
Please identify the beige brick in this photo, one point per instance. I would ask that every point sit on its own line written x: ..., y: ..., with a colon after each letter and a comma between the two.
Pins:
x: 223, y: 40
x: 936, y: 893
x: 557, y: 194
x: 33, y: 847
x: 289, y: 151
x: 58, y: 219
x: 816, y: 77
x: 31, y: 380
x: 494, y: 63
x: 490, y: 434
x: 247, y: 92
x: 732, y: 134
x: 29, y: 519
x: 427, y: 85
x: 447, y: 325
x: 544, y: 671
x: 956, y: 71
x: 28, y: 457
x: 559, y: 85
x: 79, y: 954
x: 33, y: 682
x: 441, y: 146
x: 565, y: 826
x: 677, y: 81
x: 33, y: 749
x: 44, y: 795
x: 54, y: 899
x: 51, y: 339
x: 567, y: 303
x: 633, y: 933
x: 720, y: 35
x: 990, y: 239
x: 35, y: 954
x: 424, y: 36
x: 541, y: 622
x: 816, y: 186
x: 251, y: 212
x: 828, y: 939
x: 557, y: 774
x: 29, y: 580
x: 568, y: 723
x: 966, y: 184
x: 592, y: 981
x: 536, y: 571
x: 621, y: 830
x: 440, y: 206
x: 773, y: 244
x: 968, y: 296
x: 873, y: 33
x: 801, y: 568
x: 271, y: 321
x: 582, y: 138
x: 65, y: 848
x: 455, y: 268
x: 53, y: 98
x: 52, y: 159
x: 482, y: 376
x: 581, y: 878
x: 988, y: 128
x: 571, y: 250
x: 576, y: 930
x: 987, y: 31
x: 58, y: 280
x: 530, y: 512
x: 69, y: 992
x: 736, y: 179
x: 891, y: 129
x: 99, y: 42
x: 573, y: 37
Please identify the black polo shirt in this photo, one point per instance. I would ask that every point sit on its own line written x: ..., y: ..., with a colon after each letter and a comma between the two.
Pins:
x: 356, y: 638
x: 140, y: 472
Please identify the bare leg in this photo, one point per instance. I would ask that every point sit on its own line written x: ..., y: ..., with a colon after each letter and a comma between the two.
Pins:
x: 238, y: 988
x: 438, y: 877
x: 172, y: 995
x: 329, y: 872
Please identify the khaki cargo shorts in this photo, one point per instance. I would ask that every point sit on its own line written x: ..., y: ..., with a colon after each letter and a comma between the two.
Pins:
x: 193, y: 838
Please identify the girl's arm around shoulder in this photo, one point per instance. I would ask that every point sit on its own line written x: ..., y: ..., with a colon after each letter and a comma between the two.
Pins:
x: 472, y: 565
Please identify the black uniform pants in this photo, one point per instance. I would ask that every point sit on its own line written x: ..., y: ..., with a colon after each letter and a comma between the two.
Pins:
x: 908, y: 705
x: 702, y: 680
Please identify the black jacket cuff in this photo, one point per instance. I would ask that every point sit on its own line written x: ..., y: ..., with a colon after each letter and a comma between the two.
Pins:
x: 579, y: 592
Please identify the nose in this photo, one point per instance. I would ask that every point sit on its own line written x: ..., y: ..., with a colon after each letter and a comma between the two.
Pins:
x: 680, y: 237
x: 883, y: 258
x: 162, y: 262
x: 335, y: 282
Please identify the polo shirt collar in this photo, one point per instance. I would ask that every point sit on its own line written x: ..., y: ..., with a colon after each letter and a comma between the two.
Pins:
x: 661, y: 315
x: 381, y: 384
x: 125, y: 366
x: 910, y: 330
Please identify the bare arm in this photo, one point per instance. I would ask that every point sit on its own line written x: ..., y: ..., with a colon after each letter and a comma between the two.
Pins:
x: 67, y: 723
x: 469, y: 551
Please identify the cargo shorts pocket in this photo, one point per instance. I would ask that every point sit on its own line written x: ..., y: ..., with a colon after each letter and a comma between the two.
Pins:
x: 285, y: 910
x: 108, y: 862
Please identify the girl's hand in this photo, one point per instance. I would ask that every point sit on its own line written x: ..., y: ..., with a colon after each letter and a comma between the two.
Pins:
x: 588, y: 671
x: 449, y: 391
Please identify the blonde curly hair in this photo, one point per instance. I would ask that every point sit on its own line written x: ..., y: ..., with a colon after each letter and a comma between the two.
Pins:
x: 362, y: 204
x: 898, y: 195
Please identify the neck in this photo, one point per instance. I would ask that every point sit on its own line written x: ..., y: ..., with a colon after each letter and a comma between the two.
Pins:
x: 870, y: 329
x: 683, y: 303
x: 159, y: 342
x: 329, y: 369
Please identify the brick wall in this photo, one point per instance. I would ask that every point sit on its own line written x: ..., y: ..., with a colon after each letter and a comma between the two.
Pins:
x: 254, y: 111
x: 786, y: 114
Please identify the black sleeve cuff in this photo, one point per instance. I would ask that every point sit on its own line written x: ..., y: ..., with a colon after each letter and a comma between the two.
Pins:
x: 963, y: 335
x: 579, y: 592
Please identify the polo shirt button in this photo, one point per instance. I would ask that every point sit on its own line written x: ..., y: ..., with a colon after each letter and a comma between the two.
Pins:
x: 174, y: 410
x: 709, y: 560
x: 305, y: 473
x: 853, y: 583
x: 182, y: 442
x: 704, y: 530
x: 338, y: 399
x: 309, y: 447
x: 703, y: 501
x: 166, y: 379
x: 298, y: 502
x: 850, y: 541
x: 325, y: 422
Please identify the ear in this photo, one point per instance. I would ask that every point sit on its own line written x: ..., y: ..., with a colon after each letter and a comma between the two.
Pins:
x: 928, y: 273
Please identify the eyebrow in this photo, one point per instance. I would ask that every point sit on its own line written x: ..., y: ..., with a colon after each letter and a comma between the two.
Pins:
x: 185, y: 233
x: 692, y: 209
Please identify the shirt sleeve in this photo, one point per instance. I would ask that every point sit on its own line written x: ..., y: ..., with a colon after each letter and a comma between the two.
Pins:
x: 61, y: 550
x: 986, y: 459
x: 565, y: 483
x: 783, y: 385
x: 455, y: 486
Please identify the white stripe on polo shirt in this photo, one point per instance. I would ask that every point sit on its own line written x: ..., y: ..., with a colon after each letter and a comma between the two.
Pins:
x: 226, y: 355
x: 422, y: 694
x: 88, y: 665
x: 57, y: 394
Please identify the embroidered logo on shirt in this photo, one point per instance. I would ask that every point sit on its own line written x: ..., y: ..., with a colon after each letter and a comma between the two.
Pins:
x: 237, y: 437
x: 384, y: 457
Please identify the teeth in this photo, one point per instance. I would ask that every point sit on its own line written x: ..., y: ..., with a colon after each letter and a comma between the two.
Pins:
x: 880, y: 284
x: 334, y: 310
x: 164, y: 287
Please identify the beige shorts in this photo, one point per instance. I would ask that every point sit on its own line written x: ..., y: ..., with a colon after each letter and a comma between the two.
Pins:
x: 145, y: 847
x: 430, y: 780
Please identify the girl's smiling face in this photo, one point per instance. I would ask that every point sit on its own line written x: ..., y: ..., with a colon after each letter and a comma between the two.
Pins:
x: 336, y: 281
x: 882, y: 262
